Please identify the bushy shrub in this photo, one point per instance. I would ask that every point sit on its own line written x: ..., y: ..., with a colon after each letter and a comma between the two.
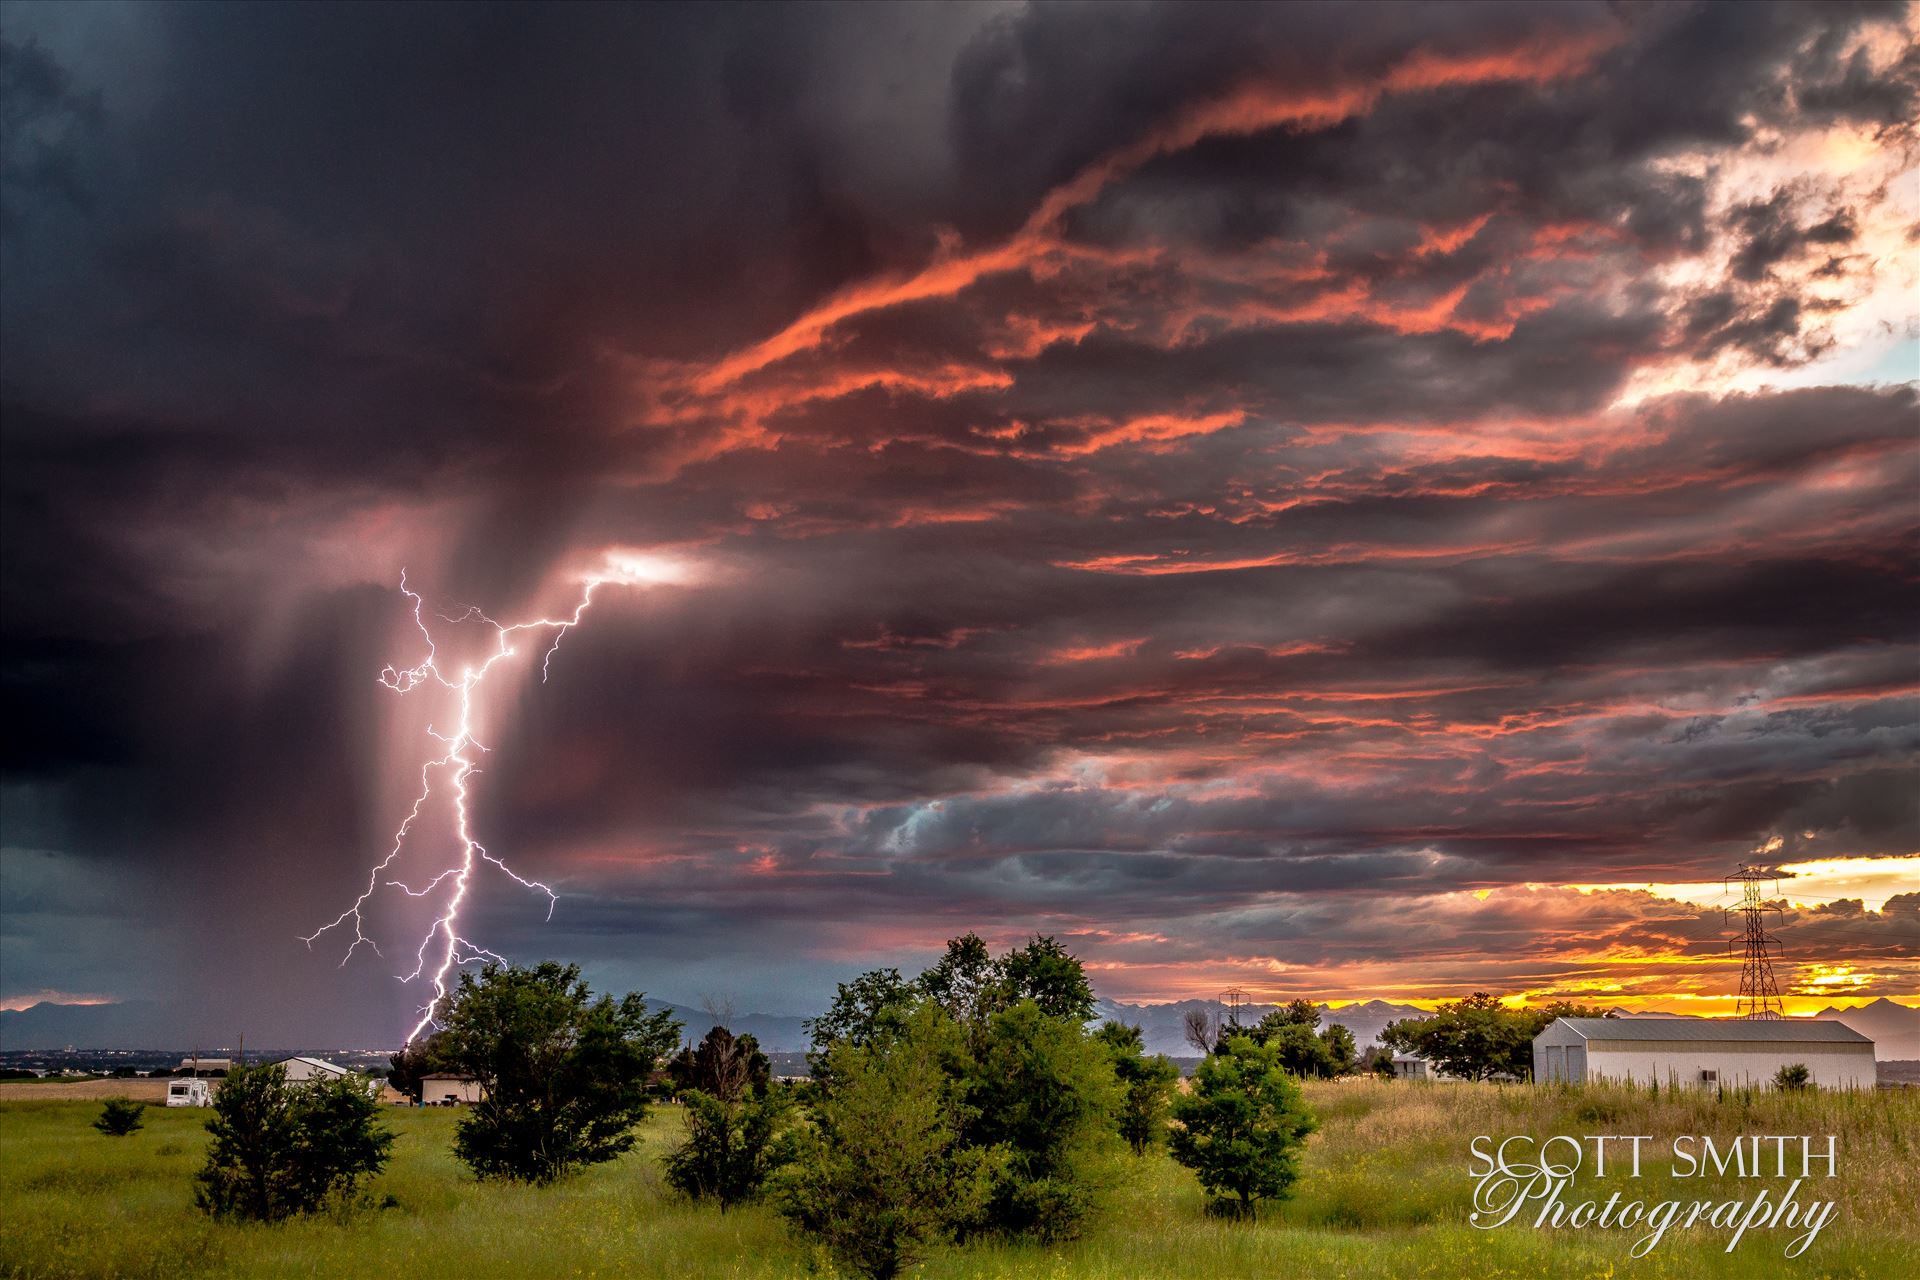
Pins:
x: 280, y: 1148
x: 119, y: 1117
x: 1025, y: 1102
x: 1242, y: 1127
x: 730, y: 1147
x: 1793, y: 1076
x: 1305, y: 1049
x: 1043, y: 1091
x: 1146, y: 1086
x: 884, y: 1175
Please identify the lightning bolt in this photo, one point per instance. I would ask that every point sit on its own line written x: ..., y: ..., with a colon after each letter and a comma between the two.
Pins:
x: 443, y: 950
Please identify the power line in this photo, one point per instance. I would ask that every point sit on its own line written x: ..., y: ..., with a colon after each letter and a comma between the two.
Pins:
x: 1759, y: 992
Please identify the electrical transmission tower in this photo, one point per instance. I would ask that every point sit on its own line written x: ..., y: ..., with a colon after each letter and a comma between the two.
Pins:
x: 1235, y: 999
x: 1759, y: 992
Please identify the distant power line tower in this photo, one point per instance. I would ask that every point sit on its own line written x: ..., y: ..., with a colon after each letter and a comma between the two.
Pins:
x: 1759, y: 992
x: 1235, y: 999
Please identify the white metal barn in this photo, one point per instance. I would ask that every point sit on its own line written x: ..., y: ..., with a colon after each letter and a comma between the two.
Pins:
x: 300, y: 1070
x: 446, y: 1089
x: 1703, y: 1052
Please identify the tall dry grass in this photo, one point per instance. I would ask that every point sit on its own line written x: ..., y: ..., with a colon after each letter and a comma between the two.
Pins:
x: 1385, y: 1192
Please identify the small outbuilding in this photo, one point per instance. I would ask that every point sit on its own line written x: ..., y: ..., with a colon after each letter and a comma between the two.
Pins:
x: 445, y: 1089
x: 300, y: 1070
x: 1411, y: 1066
x: 1703, y: 1052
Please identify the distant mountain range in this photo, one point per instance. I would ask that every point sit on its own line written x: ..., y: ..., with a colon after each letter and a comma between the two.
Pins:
x: 135, y: 1024
x: 131, y: 1024
x: 776, y: 1032
x: 1894, y: 1028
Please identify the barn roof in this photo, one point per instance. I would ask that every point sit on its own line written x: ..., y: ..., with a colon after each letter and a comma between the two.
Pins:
x: 1771, y: 1030
x: 312, y: 1062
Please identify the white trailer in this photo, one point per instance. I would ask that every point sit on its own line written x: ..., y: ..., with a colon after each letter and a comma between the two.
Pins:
x: 190, y: 1093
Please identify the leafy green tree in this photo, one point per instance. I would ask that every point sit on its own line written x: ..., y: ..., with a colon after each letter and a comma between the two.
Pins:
x: 972, y: 986
x: 967, y: 982
x: 1034, y: 1097
x: 884, y: 1176
x: 1045, y: 972
x: 280, y: 1149
x: 731, y: 1146
x: 563, y: 1076
x: 1301, y: 1049
x: 1044, y: 1091
x: 1342, y: 1054
x: 1146, y: 1085
x: 1308, y: 1053
x: 1242, y: 1127
x: 1480, y: 1038
x: 863, y: 1009
x: 1301, y: 1013
x: 1475, y: 1038
x: 120, y: 1117
x: 1794, y: 1076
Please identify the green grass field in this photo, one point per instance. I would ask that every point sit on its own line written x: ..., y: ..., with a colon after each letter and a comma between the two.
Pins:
x: 1385, y: 1193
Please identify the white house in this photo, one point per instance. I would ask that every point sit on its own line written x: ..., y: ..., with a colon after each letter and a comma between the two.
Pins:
x: 1411, y: 1066
x: 1703, y: 1052
x: 444, y: 1089
x: 300, y: 1070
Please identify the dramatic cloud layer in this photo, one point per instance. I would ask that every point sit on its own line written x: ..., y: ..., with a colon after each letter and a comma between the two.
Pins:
x: 1276, y: 496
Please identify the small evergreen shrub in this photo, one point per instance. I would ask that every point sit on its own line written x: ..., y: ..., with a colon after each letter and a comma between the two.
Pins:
x: 119, y: 1117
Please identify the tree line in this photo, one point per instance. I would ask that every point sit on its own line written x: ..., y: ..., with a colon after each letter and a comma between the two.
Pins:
x: 974, y: 1101
x: 1480, y: 1037
x: 1477, y: 1037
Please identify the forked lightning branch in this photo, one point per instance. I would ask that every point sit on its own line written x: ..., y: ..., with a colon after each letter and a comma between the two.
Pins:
x: 446, y: 777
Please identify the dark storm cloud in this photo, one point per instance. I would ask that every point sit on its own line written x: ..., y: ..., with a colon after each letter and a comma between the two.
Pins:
x: 1155, y: 472
x: 1771, y: 235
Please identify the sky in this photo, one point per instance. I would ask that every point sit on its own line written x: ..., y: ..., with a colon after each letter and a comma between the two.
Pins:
x: 1346, y: 502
